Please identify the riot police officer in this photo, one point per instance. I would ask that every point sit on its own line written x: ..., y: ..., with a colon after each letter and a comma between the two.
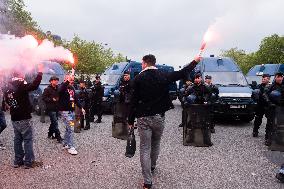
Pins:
x: 183, y: 93
x: 272, y: 96
x: 125, y: 88
x: 97, y: 99
x: 198, y: 93
x: 84, y: 98
x: 214, y: 97
x: 261, y: 103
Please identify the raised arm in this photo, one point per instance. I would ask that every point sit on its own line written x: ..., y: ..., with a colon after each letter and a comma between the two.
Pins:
x: 177, y: 75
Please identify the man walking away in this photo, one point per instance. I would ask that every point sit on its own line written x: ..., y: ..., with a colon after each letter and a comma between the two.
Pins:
x: 149, y: 103
x: 16, y: 96
x: 50, y: 96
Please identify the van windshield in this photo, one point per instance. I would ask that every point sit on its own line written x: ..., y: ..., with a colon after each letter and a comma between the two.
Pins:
x: 227, y: 78
x: 266, y: 69
x: 110, y: 79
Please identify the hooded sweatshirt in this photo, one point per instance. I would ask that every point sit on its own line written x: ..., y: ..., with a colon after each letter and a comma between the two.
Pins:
x: 16, y: 96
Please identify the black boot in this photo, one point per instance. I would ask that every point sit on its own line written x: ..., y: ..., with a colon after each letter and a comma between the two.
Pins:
x: 58, y: 137
x: 206, y: 137
x: 98, y: 121
x: 255, y: 134
x: 87, y: 127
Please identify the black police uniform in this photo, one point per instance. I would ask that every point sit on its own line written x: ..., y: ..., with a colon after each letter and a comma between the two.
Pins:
x: 201, y: 91
x: 271, y: 109
x: 96, y: 101
x: 202, y: 94
x: 84, y: 98
x: 260, y: 110
x: 213, y: 98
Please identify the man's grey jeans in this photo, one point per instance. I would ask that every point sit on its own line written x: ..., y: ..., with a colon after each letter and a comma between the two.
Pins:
x: 150, y: 130
x: 23, y: 131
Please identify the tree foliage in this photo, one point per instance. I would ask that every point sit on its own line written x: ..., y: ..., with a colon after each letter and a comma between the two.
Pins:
x: 92, y: 57
x: 17, y: 20
x: 271, y: 50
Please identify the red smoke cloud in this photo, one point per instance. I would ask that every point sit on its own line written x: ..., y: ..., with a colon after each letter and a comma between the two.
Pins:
x: 25, y: 52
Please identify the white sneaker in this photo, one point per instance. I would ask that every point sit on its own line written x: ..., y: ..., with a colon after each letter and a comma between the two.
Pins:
x: 65, y: 147
x: 2, y: 147
x: 72, y: 151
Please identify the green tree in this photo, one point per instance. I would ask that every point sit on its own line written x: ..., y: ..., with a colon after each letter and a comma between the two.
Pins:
x: 17, y: 20
x: 245, y: 61
x: 91, y: 57
x: 271, y: 50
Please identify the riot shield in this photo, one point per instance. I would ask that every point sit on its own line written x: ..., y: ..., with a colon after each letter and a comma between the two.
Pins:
x: 277, y: 137
x: 196, y: 130
x: 119, y: 124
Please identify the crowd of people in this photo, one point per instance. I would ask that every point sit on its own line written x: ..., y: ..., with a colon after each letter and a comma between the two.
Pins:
x: 147, y: 99
x: 60, y: 100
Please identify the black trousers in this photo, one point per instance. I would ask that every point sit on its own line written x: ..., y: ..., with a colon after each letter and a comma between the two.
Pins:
x: 53, y: 128
x: 85, y: 117
x: 261, y: 110
x: 96, y: 109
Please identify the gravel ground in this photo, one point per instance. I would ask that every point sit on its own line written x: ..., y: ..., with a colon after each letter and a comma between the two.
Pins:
x: 235, y: 161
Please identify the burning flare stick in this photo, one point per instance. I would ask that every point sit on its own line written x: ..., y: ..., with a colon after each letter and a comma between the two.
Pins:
x: 207, y: 37
x: 202, y: 48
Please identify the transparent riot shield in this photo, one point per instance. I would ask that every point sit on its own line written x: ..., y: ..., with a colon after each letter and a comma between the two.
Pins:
x: 277, y: 137
x: 119, y: 124
x: 196, y: 131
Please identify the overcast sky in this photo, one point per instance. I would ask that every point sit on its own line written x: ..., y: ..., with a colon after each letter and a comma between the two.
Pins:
x: 170, y: 29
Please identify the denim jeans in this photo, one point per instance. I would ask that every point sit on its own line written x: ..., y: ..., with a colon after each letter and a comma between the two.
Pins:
x: 68, y: 120
x: 53, y: 128
x: 23, y: 131
x: 150, y: 130
x: 3, y: 124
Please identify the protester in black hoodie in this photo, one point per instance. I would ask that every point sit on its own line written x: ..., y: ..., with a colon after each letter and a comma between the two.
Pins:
x: 67, y: 102
x: 50, y: 96
x: 149, y: 103
x: 16, y: 96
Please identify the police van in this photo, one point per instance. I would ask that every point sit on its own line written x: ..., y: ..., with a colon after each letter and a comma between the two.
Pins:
x: 235, y: 94
x: 254, y: 75
x: 50, y: 68
x: 112, y: 76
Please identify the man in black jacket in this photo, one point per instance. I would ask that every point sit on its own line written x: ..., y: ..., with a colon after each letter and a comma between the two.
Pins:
x: 16, y: 97
x: 67, y: 102
x: 84, y: 98
x: 261, y: 104
x: 149, y: 103
x: 97, y: 99
x: 50, y: 96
